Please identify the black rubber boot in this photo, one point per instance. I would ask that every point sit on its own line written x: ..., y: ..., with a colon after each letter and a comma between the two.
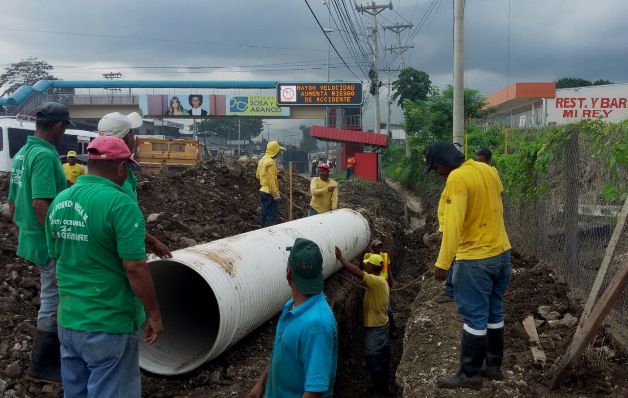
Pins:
x: 45, y: 358
x: 492, y: 368
x: 472, y: 351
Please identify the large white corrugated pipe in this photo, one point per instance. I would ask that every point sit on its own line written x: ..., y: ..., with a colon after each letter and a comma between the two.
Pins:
x: 214, y: 294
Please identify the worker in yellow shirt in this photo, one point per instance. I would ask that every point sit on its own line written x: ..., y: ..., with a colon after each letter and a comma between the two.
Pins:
x: 376, y: 322
x: 475, y: 236
x: 269, y: 186
x: 324, y: 192
x: 72, y: 169
x: 377, y: 247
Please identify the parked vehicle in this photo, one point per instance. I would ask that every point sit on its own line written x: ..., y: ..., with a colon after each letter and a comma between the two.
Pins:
x: 14, y: 132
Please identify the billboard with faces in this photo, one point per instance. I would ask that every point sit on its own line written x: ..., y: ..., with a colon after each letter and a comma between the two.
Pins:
x: 175, y: 105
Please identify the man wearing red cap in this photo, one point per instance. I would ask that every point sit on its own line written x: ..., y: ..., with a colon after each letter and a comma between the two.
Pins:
x: 95, y: 233
x: 324, y: 192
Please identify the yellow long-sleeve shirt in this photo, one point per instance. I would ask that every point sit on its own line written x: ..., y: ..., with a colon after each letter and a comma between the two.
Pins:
x: 322, y: 199
x: 441, y: 211
x: 473, y: 215
x: 267, y: 175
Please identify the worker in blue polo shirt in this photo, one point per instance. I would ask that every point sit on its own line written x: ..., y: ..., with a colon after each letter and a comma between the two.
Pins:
x: 303, y: 362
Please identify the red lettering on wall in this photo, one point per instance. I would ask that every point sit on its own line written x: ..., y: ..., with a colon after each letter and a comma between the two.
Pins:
x: 586, y: 113
x: 570, y: 113
x: 622, y: 102
x: 606, y: 113
x: 559, y: 103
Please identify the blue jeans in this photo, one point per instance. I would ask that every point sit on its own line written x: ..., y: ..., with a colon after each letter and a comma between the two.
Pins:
x: 268, y: 209
x: 48, y: 298
x: 100, y: 365
x: 449, y: 282
x: 311, y: 212
x: 349, y: 174
x: 479, y: 287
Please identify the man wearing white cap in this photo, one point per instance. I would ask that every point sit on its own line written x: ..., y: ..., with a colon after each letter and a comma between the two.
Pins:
x: 122, y: 126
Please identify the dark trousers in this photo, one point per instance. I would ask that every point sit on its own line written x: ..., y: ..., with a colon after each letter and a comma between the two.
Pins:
x: 378, y: 356
x: 268, y: 209
x: 349, y: 174
x: 449, y: 282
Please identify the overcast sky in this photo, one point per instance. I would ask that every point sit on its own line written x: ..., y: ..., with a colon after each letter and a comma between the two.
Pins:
x: 280, y: 40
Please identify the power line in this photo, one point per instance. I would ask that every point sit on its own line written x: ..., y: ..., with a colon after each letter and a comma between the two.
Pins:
x: 357, y: 55
x: 329, y: 40
x: 210, y: 43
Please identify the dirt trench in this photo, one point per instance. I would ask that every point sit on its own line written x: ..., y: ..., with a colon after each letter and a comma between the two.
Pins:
x: 212, y: 201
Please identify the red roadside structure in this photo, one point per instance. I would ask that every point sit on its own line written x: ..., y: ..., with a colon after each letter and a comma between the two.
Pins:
x: 353, y: 143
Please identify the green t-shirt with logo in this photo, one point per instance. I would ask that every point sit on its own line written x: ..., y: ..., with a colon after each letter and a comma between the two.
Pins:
x: 36, y: 173
x: 91, y: 227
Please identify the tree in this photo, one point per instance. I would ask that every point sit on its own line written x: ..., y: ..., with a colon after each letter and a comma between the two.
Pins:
x: 412, y: 84
x: 308, y: 143
x: 571, y: 82
x: 27, y: 71
x: 602, y: 82
x: 250, y: 127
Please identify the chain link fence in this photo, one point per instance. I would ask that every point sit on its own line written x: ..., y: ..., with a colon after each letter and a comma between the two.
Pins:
x: 569, y: 225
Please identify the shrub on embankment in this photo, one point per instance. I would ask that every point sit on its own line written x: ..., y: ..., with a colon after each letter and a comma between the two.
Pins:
x: 524, y: 158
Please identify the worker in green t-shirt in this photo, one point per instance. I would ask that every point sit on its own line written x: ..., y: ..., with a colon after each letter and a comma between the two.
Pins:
x: 36, y: 179
x: 118, y: 125
x: 95, y: 233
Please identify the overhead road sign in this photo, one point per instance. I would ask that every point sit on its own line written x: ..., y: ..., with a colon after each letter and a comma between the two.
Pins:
x: 319, y: 94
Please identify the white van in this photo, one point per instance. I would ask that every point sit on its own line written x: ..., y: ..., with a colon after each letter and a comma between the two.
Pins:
x: 15, y: 131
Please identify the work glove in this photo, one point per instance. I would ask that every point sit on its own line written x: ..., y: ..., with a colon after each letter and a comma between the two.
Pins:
x: 277, y: 196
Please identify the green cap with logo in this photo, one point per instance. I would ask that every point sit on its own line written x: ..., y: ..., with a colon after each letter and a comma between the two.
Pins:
x: 306, y: 263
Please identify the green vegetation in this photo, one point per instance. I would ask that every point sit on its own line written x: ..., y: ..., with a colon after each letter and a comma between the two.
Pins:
x: 570, y: 82
x: 524, y: 157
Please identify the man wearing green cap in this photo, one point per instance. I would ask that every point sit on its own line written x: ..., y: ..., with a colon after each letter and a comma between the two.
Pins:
x: 303, y: 361
x: 376, y: 321
x: 269, y: 186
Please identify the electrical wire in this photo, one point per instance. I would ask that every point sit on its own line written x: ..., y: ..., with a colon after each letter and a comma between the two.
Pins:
x: 210, y: 43
x: 357, y: 54
x: 329, y: 40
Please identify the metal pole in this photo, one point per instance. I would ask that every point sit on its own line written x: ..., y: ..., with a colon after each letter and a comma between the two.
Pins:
x: 290, y: 165
x: 376, y: 64
x: 458, y: 133
x: 238, y: 136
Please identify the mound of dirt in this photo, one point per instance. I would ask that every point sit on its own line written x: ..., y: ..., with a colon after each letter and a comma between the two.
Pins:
x: 433, y: 333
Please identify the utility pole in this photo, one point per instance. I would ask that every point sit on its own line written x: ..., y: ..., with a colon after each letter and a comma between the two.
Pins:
x: 400, y: 50
x: 373, y: 10
x: 458, y: 133
x: 389, y: 85
x: 238, y: 136
x: 113, y: 76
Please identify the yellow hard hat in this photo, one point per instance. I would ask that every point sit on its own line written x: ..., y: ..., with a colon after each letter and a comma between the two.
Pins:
x: 374, y: 259
x: 71, y: 154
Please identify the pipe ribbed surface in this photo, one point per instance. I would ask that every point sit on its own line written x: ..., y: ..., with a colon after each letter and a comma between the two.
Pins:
x: 214, y: 294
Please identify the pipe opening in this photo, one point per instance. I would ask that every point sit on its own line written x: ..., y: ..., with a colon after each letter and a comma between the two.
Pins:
x: 190, y: 317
